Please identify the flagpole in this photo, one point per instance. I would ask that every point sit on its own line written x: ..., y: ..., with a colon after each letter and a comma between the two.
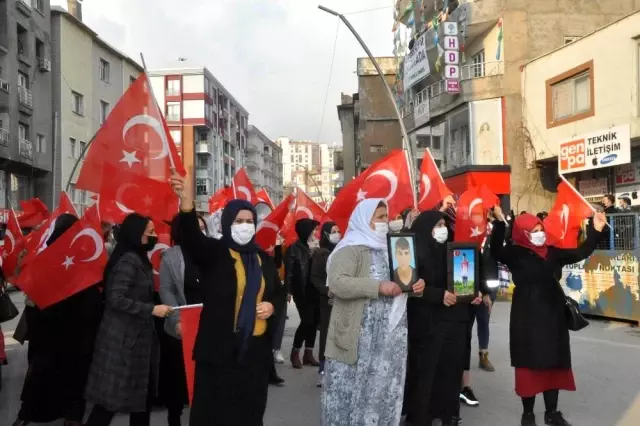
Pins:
x: 413, y: 186
x: 75, y: 166
x: 403, y: 129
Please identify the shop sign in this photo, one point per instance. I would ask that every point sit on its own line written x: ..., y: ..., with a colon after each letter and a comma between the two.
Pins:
x: 421, y: 113
x: 416, y: 63
x: 451, y: 57
x: 628, y: 174
x: 604, y: 148
x: 593, y: 187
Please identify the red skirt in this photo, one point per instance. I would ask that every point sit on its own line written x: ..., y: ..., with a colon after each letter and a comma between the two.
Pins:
x: 532, y: 382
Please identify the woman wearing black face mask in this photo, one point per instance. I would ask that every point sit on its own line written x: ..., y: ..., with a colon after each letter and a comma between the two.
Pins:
x: 124, y: 373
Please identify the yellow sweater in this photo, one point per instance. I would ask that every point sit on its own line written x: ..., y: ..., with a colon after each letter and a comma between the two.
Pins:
x: 261, y: 325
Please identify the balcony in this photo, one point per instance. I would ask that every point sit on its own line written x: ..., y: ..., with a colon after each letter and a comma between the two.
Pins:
x: 252, y: 164
x: 24, y: 6
x: 4, y: 137
x: 204, y: 148
x: 26, y: 149
x: 26, y: 99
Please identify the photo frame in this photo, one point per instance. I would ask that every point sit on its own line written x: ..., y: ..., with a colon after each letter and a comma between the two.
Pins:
x: 403, y: 260
x: 463, y: 266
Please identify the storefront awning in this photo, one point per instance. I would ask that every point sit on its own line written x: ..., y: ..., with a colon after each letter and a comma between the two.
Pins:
x: 496, y: 178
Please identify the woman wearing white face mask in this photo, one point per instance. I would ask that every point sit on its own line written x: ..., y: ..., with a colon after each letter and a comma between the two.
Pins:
x: 233, y: 346
x: 539, y: 334
x: 367, y: 338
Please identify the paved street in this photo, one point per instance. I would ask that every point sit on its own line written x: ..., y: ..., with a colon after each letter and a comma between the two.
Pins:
x: 605, y: 363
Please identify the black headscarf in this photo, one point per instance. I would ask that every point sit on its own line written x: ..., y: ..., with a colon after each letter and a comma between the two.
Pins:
x: 129, y: 239
x: 324, y: 237
x: 432, y: 256
x: 63, y: 223
x: 253, y: 272
x: 304, y: 228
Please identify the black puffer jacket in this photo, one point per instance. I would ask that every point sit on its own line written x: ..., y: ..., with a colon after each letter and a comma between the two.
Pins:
x: 296, y: 264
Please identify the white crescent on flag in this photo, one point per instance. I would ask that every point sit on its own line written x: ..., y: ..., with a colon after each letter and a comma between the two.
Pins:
x: 158, y: 246
x: 96, y: 239
x: 564, y: 220
x: 426, y: 183
x: 120, y: 193
x: 268, y: 225
x: 474, y: 203
x: 305, y: 210
x: 157, y: 127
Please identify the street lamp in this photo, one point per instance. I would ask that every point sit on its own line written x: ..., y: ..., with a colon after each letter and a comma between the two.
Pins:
x: 403, y: 129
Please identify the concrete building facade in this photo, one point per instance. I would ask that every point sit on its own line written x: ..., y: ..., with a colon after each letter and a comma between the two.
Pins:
x: 26, y: 128
x: 89, y: 77
x: 209, y: 126
x: 264, y: 164
x: 479, y: 135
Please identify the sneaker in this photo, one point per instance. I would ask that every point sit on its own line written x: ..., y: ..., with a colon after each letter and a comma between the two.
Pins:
x: 528, y: 419
x: 484, y: 363
x: 555, y: 419
x: 320, y: 382
x: 468, y: 397
x: 278, y: 358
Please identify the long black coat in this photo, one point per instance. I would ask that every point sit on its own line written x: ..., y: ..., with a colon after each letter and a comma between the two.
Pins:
x: 127, y: 351
x: 538, y: 332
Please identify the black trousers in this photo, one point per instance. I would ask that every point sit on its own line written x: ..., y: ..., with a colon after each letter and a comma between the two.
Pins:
x: 325, y: 316
x: 100, y: 416
x: 309, y: 321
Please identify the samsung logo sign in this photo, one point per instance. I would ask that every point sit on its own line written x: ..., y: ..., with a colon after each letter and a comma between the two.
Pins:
x: 609, y: 158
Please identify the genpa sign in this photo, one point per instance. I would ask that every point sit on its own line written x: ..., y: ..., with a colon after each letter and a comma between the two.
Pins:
x: 605, y: 148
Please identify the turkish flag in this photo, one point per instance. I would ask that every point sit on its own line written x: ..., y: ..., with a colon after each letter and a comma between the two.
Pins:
x: 37, y: 240
x: 134, y: 138
x: 14, y: 243
x: 218, y: 200
x: 190, y: 322
x: 126, y: 192
x: 565, y: 219
x: 263, y: 197
x: 387, y: 178
x: 432, y: 186
x: 155, y: 255
x: 471, y: 214
x: 34, y: 212
x: 242, y: 188
x: 267, y: 231
x: 74, y: 262
x: 306, y: 207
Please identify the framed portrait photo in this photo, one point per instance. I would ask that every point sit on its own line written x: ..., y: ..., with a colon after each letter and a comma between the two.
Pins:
x: 403, y: 260
x: 463, y: 270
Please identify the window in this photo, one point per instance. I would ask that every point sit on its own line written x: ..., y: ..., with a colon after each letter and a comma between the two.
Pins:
x: 72, y: 147
x: 23, y: 41
x: 41, y: 143
x: 173, y: 111
x: 78, y: 103
x: 132, y: 80
x: 83, y: 146
x: 72, y: 193
x: 292, y: 159
x: 173, y: 87
x: 104, y: 111
x: 40, y: 54
x: 176, y: 136
x: 203, y: 161
x: 38, y: 4
x: 435, y: 141
x: 103, y: 69
x: 23, y: 132
x: 83, y: 197
x: 571, y: 39
x: 202, y: 187
x: 376, y: 148
x: 569, y: 96
x: 477, y: 67
x: 23, y: 80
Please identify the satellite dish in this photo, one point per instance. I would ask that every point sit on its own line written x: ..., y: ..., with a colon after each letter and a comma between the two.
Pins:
x: 262, y: 210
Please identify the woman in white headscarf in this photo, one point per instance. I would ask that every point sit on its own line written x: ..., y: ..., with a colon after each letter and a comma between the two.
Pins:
x: 366, y: 347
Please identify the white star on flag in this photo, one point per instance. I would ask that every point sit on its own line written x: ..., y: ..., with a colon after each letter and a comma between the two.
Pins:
x: 476, y: 232
x: 129, y: 158
x: 68, y: 261
x: 147, y: 200
x: 361, y: 195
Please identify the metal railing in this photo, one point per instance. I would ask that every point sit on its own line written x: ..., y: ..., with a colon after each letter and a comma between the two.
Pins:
x: 4, y: 137
x: 467, y: 72
x: 26, y: 97
x: 25, y: 148
x: 624, y: 233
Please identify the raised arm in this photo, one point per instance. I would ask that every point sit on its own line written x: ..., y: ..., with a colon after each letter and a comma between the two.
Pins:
x: 499, y: 251
x: 341, y: 275
x: 121, y: 280
x: 569, y: 256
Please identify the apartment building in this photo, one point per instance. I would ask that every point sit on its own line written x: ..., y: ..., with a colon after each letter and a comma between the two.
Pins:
x: 466, y: 104
x: 26, y: 130
x: 581, y: 106
x: 89, y: 77
x: 332, y: 179
x: 264, y: 164
x: 209, y: 126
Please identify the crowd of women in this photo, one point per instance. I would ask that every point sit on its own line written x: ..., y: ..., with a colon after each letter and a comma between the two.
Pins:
x: 386, y: 355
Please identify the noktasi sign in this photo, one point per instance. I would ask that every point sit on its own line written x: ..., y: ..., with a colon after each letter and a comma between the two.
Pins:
x: 416, y: 63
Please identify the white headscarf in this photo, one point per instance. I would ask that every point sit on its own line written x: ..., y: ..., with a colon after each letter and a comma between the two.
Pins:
x: 214, y: 223
x: 359, y: 233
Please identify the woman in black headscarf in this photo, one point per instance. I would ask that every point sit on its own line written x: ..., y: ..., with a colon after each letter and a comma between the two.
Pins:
x: 437, y: 331
x: 61, y: 339
x: 124, y: 372
x: 305, y: 295
x: 232, y: 351
x: 329, y: 237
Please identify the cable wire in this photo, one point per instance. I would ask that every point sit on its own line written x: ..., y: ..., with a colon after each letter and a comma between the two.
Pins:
x: 368, y: 10
x: 326, y: 96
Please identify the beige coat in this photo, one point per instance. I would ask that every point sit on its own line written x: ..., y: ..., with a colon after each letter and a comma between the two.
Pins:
x: 348, y: 278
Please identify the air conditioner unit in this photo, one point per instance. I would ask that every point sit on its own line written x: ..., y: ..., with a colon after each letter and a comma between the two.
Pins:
x: 45, y: 65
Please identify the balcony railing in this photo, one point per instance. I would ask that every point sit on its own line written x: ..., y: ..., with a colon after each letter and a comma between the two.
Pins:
x: 4, y: 137
x: 26, y: 148
x: 204, y: 148
x: 467, y: 72
x: 26, y: 97
x: 24, y: 6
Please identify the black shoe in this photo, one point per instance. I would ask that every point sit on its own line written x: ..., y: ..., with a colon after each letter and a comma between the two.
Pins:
x: 468, y: 397
x: 528, y: 419
x: 276, y: 381
x: 455, y: 421
x: 555, y: 419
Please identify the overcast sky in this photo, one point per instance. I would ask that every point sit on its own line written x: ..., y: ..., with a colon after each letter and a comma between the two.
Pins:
x: 274, y: 56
